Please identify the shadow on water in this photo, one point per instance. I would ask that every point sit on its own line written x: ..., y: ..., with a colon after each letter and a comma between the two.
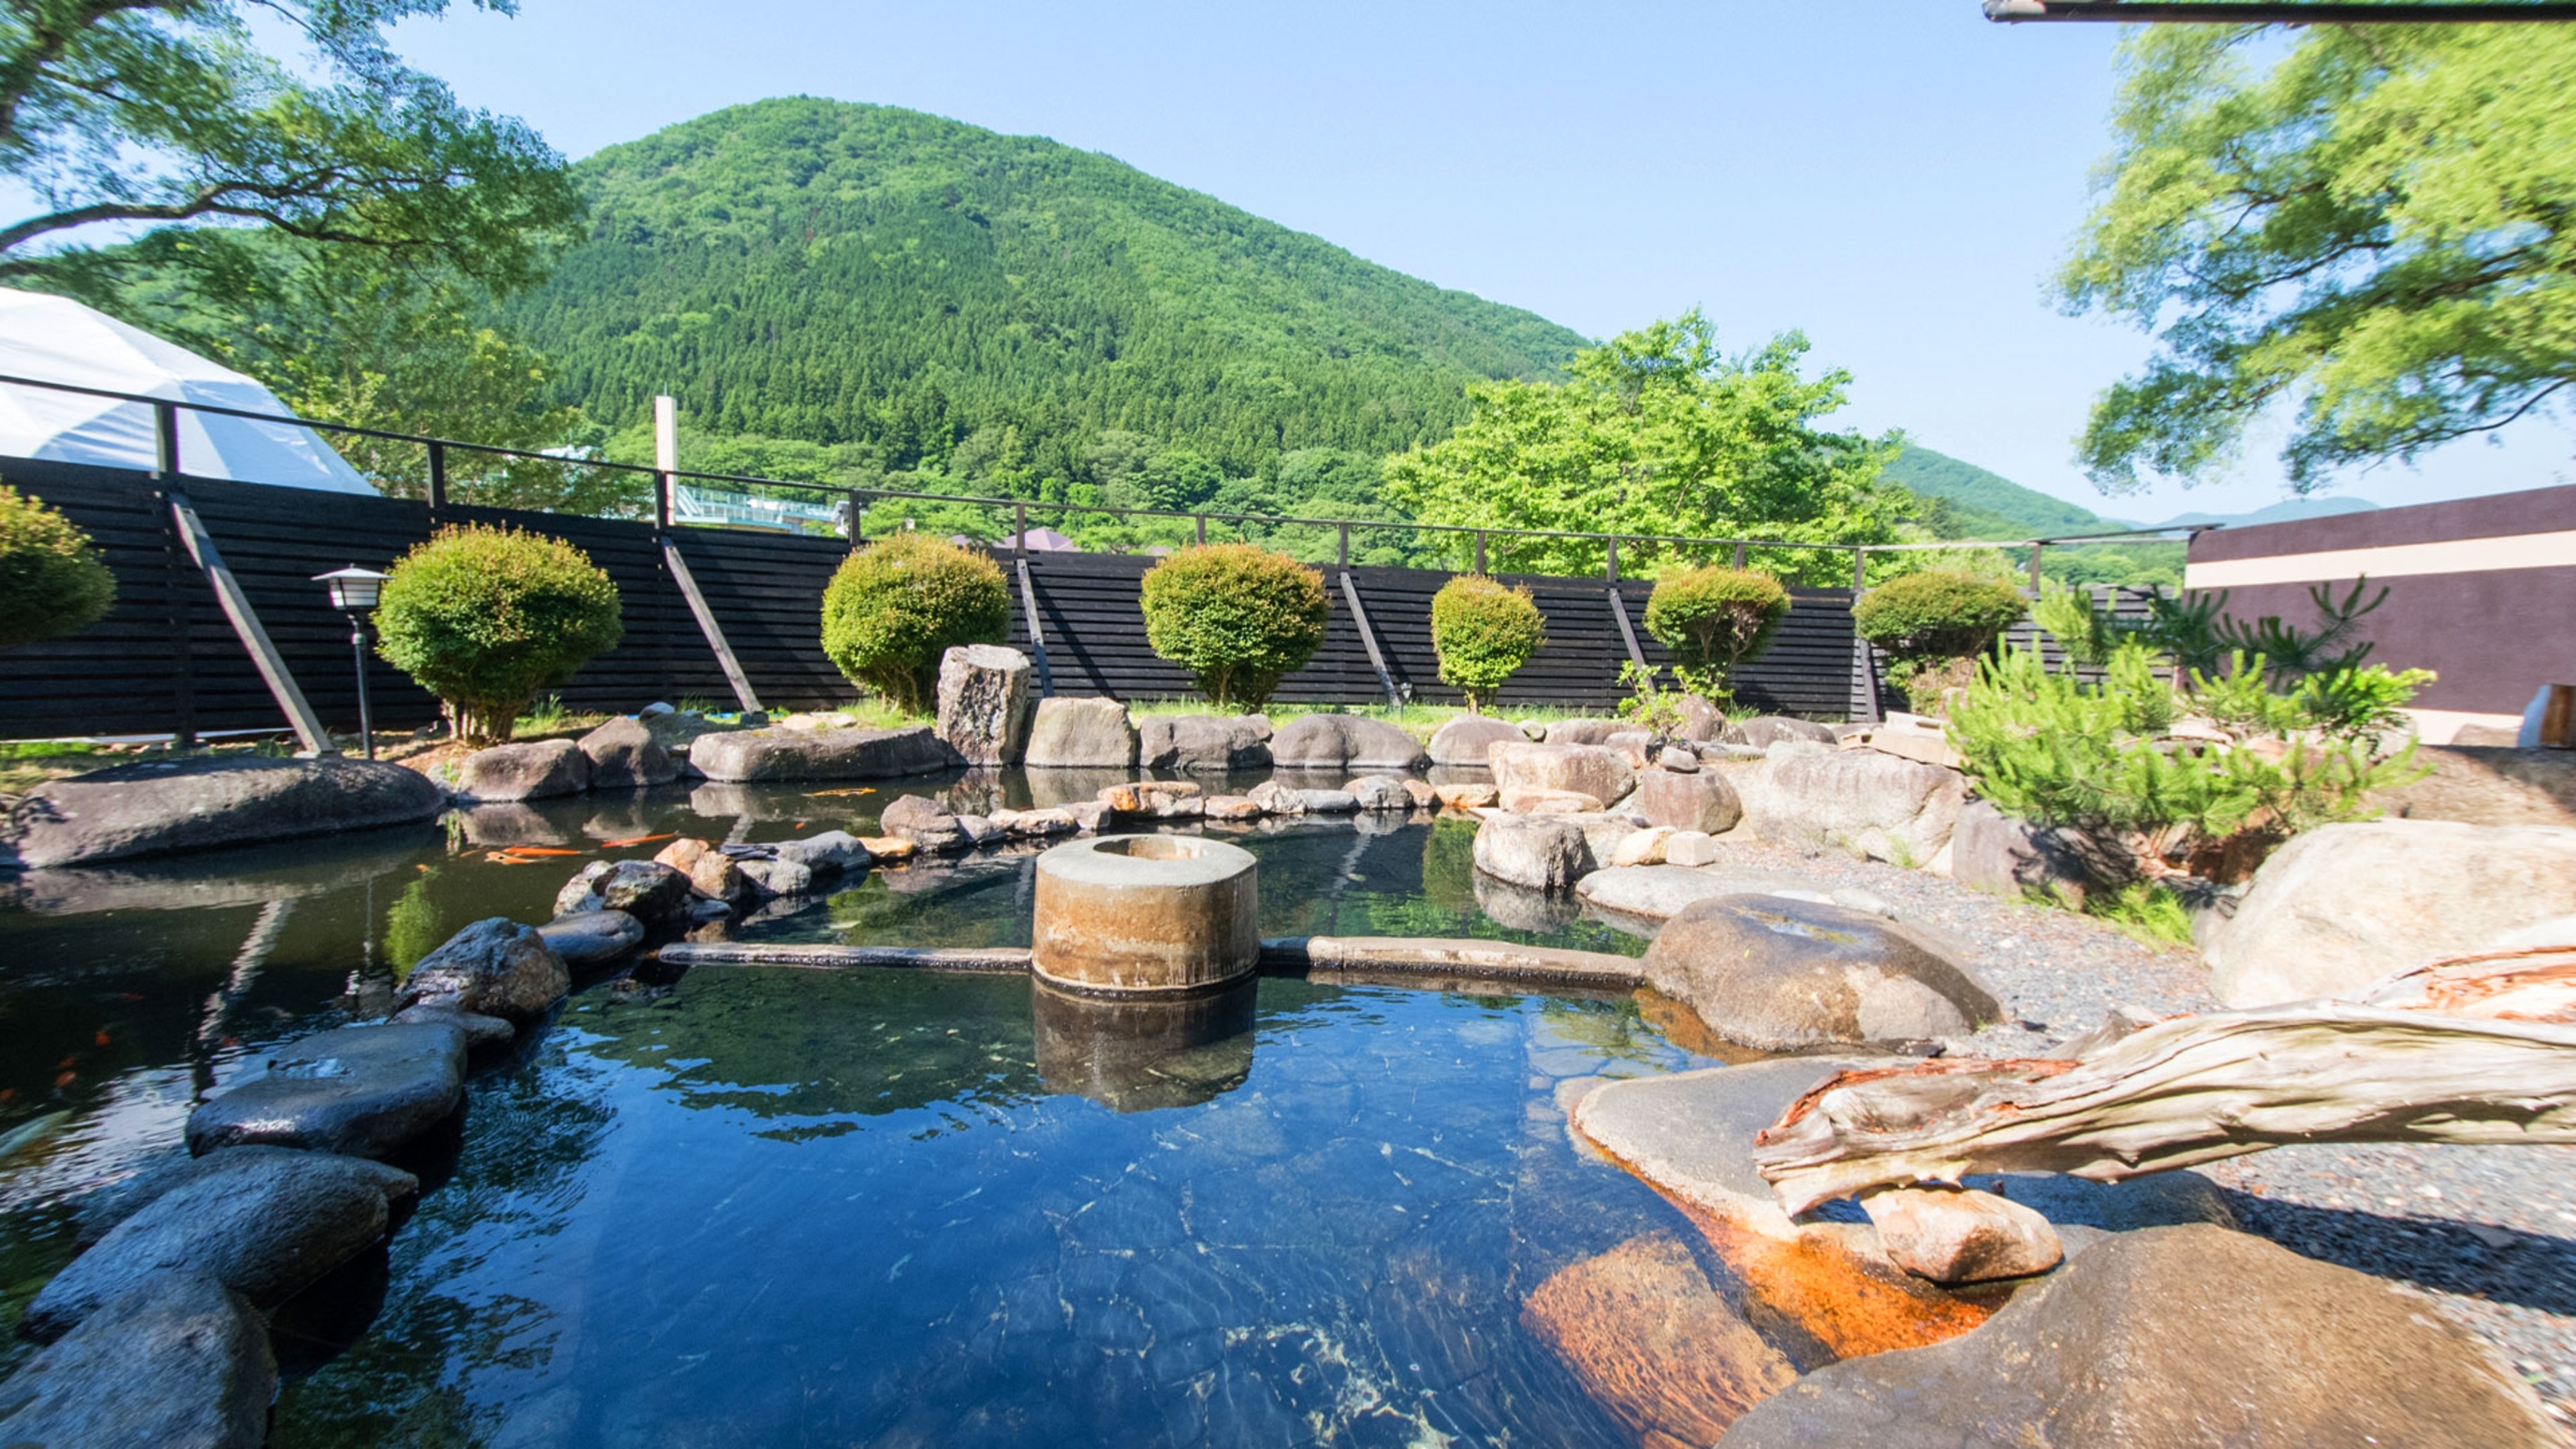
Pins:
x: 1142, y: 1055
x: 2535, y: 1270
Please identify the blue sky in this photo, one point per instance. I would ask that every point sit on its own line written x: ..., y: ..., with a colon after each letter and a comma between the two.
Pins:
x: 1894, y: 177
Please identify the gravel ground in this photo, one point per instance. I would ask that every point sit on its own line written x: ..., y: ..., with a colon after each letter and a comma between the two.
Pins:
x: 2488, y: 1232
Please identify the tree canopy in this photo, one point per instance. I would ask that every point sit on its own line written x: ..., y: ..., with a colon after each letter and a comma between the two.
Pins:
x: 1657, y: 432
x: 2368, y: 225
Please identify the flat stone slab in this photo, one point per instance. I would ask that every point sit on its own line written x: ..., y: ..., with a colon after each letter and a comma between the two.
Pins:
x: 179, y: 1361
x: 264, y: 1222
x: 587, y: 938
x: 1657, y: 893
x: 359, y: 1090
x: 152, y: 809
x: 1779, y: 974
x: 785, y: 754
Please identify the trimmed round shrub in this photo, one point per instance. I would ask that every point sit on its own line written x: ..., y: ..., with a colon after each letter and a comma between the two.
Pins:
x: 1483, y: 633
x: 894, y: 607
x: 1937, y: 615
x: 486, y: 617
x: 52, y: 581
x: 1713, y: 620
x: 1238, y: 617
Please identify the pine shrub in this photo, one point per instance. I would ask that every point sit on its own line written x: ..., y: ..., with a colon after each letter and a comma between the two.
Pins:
x: 1238, y: 617
x: 894, y: 607
x: 52, y: 581
x: 1714, y: 620
x: 486, y: 617
x: 1483, y: 633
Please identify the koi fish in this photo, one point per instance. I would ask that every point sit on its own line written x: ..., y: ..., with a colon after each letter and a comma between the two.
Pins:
x: 540, y: 850
x: 638, y: 840
x: 821, y: 794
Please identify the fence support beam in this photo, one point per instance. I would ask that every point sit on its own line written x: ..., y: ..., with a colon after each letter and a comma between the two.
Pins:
x: 1029, y: 611
x: 1864, y: 668
x: 1368, y: 636
x: 1628, y: 631
x: 708, y: 626
x: 254, y: 637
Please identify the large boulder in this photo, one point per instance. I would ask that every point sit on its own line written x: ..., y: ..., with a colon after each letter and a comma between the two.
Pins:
x: 524, y: 770
x: 2343, y: 905
x: 1209, y: 742
x: 1529, y: 774
x: 1992, y: 851
x: 648, y: 890
x: 1469, y: 738
x: 851, y: 754
x: 263, y: 1222
x: 1081, y: 734
x: 495, y: 967
x: 201, y: 804
x: 1765, y: 971
x: 1379, y: 792
x: 1658, y: 893
x: 179, y: 1362
x: 1858, y: 800
x: 1700, y: 720
x: 1583, y: 731
x: 624, y: 755
x: 921, y: 820
x: 985, y: 703
x: 2485, y: 785
x: 1345, y: 742
x: 1534, y: 852
x: 2188, y: 1337
x: 1763, y: 731
x: 1695, y: 799
x: 825, y: 852
x: 359, y: 1090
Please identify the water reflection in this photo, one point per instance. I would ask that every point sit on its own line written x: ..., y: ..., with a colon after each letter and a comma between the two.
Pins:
x: 1140, y: 1054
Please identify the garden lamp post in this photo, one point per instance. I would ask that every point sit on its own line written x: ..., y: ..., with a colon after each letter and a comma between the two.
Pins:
x: 353, y: 592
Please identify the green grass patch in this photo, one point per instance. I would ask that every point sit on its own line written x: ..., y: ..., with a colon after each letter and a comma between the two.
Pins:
x: 2146, y: 911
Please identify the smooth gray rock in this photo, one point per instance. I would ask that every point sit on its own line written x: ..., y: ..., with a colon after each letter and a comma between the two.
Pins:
x: 1524, y: 771
x: 1379, y: 792
x: 480, y: 1031
x: 494, y: 967
x: 1701, y: 720
x: 1780, y: 974
x: 1696, y: 799
x: 791, y: 754
x: 1583, y: 731
x: 1657, y: 893
x: 1081, y: 734
x: 826, y: 851
x: 524, y: 770
x: 778, y: 877
x: 1763, y: 731
x: 1466, y: 739
x: 590, y: 938
x: 1204, y: 742
x: 359, y: 1090
x: 648, y: 890
x: 1862, y: 801
x: 2343, y: 905
x: 264, y: 1223
x: 178, y: 1362
x: 1326, y: 802
x: 1345, y: 742
x: 624, y: 755
x: 986, y: 703
x: 1534, y: 852
x: 2173, y: 1338
x: 919, y: 819
x: 581, y: 893
x: 200, y: 804
x: 1991, y: 851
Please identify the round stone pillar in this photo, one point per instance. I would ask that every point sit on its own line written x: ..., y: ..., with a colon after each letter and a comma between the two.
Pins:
x: 1125, y: 914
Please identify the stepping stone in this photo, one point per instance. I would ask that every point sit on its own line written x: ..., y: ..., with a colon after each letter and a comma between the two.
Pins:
x: 360, y: 1090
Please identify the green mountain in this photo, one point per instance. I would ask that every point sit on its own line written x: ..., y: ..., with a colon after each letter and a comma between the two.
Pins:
x: 1987, y: 505
x: 916, y: 293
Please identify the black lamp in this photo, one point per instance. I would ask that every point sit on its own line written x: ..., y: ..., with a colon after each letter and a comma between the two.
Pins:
x: 353, y: 592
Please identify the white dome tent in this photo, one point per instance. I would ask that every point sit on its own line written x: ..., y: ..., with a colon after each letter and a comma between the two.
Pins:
x: 55, y: 339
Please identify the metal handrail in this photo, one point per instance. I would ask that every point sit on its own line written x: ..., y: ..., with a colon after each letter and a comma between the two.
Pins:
x: 165, y: 411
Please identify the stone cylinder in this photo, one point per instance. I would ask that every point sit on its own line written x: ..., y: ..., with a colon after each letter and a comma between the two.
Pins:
x: 1131, y: 914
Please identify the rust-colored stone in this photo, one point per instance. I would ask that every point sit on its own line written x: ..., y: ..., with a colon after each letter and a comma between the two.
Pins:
x: 1145, y: 913
x: 1654, y: 1344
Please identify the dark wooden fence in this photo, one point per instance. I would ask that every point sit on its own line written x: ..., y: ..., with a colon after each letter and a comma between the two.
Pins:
x: 166, y: 660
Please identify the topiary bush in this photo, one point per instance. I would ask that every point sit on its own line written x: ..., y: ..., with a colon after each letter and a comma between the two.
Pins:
x: 1935, y: 624
x: 486, y: 617
x: 1713, y: 620
x: 52, y: 581
x: 1483, y: 633
x: 894, y: 607
x: 1238, y: 617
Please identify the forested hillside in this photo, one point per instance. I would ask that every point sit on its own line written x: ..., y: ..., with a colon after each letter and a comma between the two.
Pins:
x: 1981, y: 504
x: 862, y: 275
